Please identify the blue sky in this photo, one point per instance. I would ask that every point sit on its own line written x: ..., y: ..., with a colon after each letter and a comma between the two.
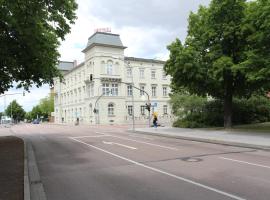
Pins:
x: 145, y: 27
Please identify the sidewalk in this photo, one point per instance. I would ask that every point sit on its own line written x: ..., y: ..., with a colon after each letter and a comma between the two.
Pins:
x: 235, y: 138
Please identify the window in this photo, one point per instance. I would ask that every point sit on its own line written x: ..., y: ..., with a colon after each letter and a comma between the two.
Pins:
x: 165, y: 93
x: 141, y: 73
x: 129, y: 90
x: 165, y: 109
x: 129, y: 72
x: 92, y: 90
x: 153, y: 74
x: 114, y: 89
x: 154, y: 91
x: 164, y: 77
x: 109, y: 68
x: 105, y: 89
x: 110, y: 109
x: 130, y: 110
x: 142, y: 88
x: 142, y: 110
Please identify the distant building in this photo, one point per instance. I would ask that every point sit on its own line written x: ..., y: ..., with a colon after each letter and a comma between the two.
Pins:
x: 103, y: 82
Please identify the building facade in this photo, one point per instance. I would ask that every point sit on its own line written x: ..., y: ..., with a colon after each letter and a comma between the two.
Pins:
x: 100, y: 90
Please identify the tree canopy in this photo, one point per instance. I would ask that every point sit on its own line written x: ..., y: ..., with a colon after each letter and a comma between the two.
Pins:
x: 15, y: 111
x: 226, y: 52
x: 30, y: 33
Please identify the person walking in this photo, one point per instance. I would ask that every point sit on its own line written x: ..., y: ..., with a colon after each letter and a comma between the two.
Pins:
x: 155, y: 119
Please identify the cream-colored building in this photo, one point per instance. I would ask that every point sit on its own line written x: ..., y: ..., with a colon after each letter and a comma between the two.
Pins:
x: 103, y: 83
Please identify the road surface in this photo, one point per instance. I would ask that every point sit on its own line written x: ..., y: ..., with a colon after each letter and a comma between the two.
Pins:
x: 108, y: 163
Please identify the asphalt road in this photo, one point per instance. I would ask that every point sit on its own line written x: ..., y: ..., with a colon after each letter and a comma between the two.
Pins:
x: 108, y: 163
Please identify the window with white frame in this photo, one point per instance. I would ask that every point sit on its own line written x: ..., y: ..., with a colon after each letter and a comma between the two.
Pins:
x: 105, y: 89
x: 142, y: 87
x: 153, y: 74
x: 165, y: 91
x: 110, y: 109
x: 129, y: 90
x: 114, y: 89
x: 130, y: 110
x: 165, y: 109
x: 154, y: 90
x: 141, y: 73
x: 142, y: 110
x: 129, y: 72
x: 109, y: 69
x: 164, y: 77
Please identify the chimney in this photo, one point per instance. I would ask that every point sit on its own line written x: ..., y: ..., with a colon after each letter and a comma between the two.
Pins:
x: 75, y: 63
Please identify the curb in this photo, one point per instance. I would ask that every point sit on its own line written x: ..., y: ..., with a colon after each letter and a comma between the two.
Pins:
x: 212, y: 141
x: 36, y: 186
x: 26, y: 175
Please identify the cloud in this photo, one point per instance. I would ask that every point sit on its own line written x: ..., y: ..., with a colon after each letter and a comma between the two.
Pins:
x: 28, y: 101
x: 145, y: 27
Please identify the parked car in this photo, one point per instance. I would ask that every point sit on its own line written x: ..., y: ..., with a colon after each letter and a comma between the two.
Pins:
x: 36, y: 121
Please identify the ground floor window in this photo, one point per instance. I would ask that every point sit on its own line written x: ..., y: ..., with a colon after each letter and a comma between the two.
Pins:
x: 110, y: 109
x: 142, y: 110
x: 165, y: 109
x: 130, y: 110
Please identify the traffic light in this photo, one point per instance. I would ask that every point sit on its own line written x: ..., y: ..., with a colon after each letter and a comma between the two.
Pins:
x: 148, y: 106
x: 91, y: 77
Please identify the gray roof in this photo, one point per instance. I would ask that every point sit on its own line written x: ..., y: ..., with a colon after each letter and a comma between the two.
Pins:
x: 65, y: 65
x: 104, y: 39
x: 144, y: 60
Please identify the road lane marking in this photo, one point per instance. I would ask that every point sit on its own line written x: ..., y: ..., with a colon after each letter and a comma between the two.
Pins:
x: 161, y: 171
x: 124, y: 138
x: 141, y: 137
x: 244, y: 162
x: 122, y: 145
x: 142, y: 142
x: 91, y: 136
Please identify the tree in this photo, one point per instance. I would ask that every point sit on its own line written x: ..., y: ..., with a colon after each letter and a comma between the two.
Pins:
x: 226, y: 52
x: 29, y: 37
x: 15, y: 111
x: 46, y: 106
x: 36, y: 112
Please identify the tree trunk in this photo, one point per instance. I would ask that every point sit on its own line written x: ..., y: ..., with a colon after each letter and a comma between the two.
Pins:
x: 228, y: 108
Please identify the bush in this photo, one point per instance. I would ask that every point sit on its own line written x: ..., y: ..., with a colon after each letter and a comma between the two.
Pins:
x: 197, y: 112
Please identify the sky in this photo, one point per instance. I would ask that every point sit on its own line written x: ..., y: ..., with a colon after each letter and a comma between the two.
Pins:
x: 145, y: 27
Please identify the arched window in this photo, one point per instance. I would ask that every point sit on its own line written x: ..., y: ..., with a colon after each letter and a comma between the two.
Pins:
x: 109, y: 69
x: 110, y: 109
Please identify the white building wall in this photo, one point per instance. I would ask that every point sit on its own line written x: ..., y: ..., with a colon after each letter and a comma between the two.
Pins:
x: 76, y: 97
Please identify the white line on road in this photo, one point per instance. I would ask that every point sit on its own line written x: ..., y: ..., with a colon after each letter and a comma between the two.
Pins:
x: 123, y: 138
x: 248, y: 163
x: 141, y: 137
x: 162, y: 172
x: 91, y: 136
x: 157, y: 145
x: 122, y: 145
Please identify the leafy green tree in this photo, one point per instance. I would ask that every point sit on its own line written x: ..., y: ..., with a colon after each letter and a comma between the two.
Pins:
x: 46, y: 106
x: 15, y: 111
x: 226, y: 52
x: 30, y: 33
x: 36, y: 112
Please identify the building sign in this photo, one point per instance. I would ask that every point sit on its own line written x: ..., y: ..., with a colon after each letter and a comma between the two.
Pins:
x: 105, y: 30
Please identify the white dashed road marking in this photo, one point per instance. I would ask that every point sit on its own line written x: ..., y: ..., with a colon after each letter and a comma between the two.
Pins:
x: 161, y: 171
x: 244, y: 162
